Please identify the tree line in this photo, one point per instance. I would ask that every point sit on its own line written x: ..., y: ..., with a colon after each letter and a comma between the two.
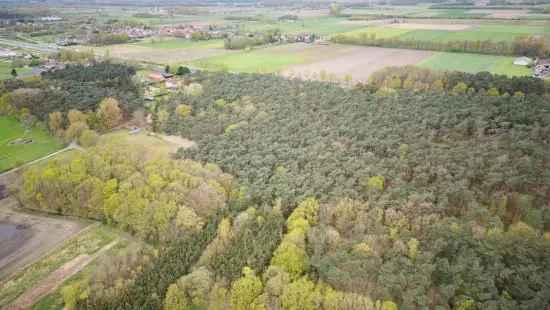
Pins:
x: 522, y: 45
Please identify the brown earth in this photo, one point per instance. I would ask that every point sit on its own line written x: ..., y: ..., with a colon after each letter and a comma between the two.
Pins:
x: 357, y: 61
x: 27, y: 236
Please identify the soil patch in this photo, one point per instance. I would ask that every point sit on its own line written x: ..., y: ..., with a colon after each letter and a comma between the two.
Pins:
x: 25, y: 236
x: 357, y: 61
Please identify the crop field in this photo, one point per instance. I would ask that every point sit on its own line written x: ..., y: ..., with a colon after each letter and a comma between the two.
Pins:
x: 303, y: 60
x: 419, y: 11
x: 309, y: 60
x: 319, y: 25
x: 173, y: 43
x: 422, y: 32
x: 84, y: 244
x: 165, y: 51
x: 262, y: 60
x: 474, y: 63
x: 13, y: 154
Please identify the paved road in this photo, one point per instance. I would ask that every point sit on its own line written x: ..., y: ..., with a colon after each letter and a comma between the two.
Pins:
x: 42, y: 47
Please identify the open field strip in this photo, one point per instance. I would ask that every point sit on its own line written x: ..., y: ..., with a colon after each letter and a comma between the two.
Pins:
x: 446, y: 32
x: 12, y: 153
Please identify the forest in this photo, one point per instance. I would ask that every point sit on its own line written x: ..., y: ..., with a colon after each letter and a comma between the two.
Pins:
x: 417, y: 190
x: 76, y: 86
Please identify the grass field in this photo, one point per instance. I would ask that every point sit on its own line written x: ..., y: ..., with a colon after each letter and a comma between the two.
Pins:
x: 14, y: 155
x: 172, y: 43
x: 88, y: 242
x: 5, y: 70
x: 263, y: 60
x: 474, y: 63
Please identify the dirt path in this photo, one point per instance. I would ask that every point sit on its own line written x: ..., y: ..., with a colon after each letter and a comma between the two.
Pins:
x: 50, y: 283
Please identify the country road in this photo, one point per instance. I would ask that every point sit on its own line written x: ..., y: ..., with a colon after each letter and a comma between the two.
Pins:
x: 42, y: 47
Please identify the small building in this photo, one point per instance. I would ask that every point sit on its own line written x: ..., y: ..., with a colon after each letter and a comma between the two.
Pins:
x: 523, y: 61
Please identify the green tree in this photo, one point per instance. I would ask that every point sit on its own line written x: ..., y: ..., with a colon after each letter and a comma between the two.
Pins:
x: 246, y: 292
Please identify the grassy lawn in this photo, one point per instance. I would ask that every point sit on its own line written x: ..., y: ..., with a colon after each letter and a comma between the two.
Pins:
x: 173, y: 43
x: 14, y: 155
x: 5, y: 70
x: 88, y: 242
x: 154, y: 144
x: 263, y: 60
x: 474, y: 63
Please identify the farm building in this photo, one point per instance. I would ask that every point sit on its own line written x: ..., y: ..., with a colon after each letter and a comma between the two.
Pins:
x: 523, y: 61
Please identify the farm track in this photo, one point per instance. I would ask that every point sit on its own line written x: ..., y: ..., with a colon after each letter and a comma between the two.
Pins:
x: 50, y: 283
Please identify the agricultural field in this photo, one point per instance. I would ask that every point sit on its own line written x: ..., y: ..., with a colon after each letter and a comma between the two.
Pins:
x: 25, y: 287
x: 445, y: 32
x: 322, y: 26
x: 19, y: 145
x: 161, y: 51
x: 422, y: 10
x: 473, y: 63
x: 340, y: 62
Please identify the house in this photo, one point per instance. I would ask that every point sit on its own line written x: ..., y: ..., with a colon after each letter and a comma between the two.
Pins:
x: 523, y: 61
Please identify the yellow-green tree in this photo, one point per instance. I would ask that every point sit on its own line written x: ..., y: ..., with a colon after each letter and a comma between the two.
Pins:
x: 109, y: 113
x: 246, y: 292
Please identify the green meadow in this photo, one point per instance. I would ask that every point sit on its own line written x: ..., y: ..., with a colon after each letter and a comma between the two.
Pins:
x: 477, y: 33
x: 473, y: 63
x: 5, y: 70
x: 12, y: 155
x: 264, y: 60
x: 173, y: 43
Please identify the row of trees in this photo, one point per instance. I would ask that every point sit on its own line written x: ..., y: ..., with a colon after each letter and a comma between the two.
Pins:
x: 421, y: 79
x: 523, y: 45
x: 237, y: 42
